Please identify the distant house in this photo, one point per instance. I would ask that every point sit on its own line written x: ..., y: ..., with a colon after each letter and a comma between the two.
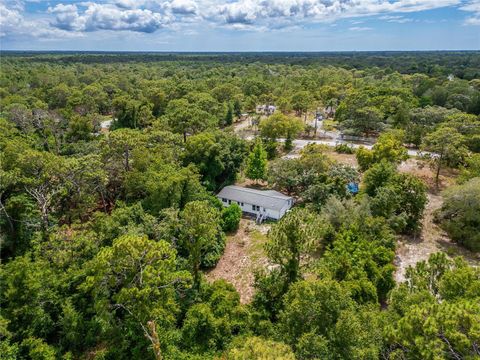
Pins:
x: 265, y: 109
x: 105, y: 126
x: 263, y: 204
x: 329, y: 111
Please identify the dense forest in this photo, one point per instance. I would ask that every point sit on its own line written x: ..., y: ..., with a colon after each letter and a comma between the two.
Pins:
x: 109, y: 167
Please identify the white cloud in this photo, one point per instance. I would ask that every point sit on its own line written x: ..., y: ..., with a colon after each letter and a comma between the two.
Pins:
x: 148, y: 16
x: 359, y: 28
x: 13, y: 23
x: 184, y: 7
x: 107, y: 17
x: 395, y: 19
x: 262, y: 11
x: 473, y: 7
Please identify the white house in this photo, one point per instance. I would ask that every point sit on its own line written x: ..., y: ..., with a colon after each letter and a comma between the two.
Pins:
x: 265, y: 109
x: 263, y: 204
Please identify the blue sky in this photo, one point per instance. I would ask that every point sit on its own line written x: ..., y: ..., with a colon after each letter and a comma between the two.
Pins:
x: 240, y: 25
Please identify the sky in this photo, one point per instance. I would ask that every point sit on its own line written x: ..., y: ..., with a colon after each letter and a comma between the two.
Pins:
x: 239, y: 25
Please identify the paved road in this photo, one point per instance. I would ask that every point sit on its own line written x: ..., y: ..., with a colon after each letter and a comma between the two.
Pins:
x: 332, y: 138
x: 301, y: 143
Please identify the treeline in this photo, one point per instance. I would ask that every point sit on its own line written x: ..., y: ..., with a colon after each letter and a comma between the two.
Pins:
x: 463, y: 64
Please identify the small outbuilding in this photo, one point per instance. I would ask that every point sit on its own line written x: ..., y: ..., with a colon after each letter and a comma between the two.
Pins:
x: 263, y: 204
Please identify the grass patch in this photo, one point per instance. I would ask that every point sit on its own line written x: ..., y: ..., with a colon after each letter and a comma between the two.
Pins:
x: 256, y: 250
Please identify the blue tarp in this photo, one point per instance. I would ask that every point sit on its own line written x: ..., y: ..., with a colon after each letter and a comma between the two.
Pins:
x: 352, y: 188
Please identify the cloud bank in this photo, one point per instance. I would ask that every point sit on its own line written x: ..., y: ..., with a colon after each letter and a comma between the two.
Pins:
x: 74, y: 18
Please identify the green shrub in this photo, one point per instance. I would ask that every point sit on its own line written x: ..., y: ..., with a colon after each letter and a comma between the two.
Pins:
x: 344, y: 149
x: 460, y: 214
x: 364, y: 158
x: 231, y: 218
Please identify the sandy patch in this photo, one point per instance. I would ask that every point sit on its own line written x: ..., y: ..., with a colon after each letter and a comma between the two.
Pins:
x: 243, y: 254
x: 432, y: 239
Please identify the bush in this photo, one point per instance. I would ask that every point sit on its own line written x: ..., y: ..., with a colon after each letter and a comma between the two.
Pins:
x: 379, y: 175
x: 344, y: 149
x: 364, y: 158
x: 231, y: 218
x: 256, y: 348
x: 460, y: 214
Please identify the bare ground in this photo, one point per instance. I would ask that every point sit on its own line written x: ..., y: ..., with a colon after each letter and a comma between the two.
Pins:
x: 432, y: 239
x: 243, y: 254
x: 347, y: 159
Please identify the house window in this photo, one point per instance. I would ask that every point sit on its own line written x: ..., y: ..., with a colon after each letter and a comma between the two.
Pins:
x: 224, y: 200
x: 254, y: 207
x: 229, y: 202
x: 241, y: 204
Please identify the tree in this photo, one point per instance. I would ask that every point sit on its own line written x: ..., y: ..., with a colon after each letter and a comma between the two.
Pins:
x: 138, y: 278
x: 257, y: 163
x: 364, y: 158
x: 365, y: 121
x: 378, y: 176
x: 231, y: 218
x: 399, y: 198
x: 389, y: 146
x: 200, y: 231
x: 279, y: 125
x: 439, y: 330
x: 229, y: 115
x: 80, y: 128
x: 459, y: 215
x: 45, y: 178
x: 159, y: 100
x: 402, y: 201
x: 237, y: 107
x: 301, y: 102
x: 210, y: 325
x: 312, y: 307
x: 294, y: 236
x: 217, y: 155
x: 186, y: 118
x: 447, y: 146
x: 435, y: 312
x: 423, y: 121
x: 256, y: 348
x: 286, y: 174
x: 471, y: 169
x: 38, y: 349
x: 469, y: 126
x: 129, y: 113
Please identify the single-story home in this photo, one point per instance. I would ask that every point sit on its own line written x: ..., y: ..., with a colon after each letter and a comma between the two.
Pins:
x: 265, y: 109
x: 263, y: 204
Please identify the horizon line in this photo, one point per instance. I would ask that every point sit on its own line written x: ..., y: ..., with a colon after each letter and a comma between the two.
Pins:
x: 235, y: 52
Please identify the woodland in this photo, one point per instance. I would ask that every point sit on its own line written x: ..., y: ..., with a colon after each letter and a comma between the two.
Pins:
x: 109, y: 223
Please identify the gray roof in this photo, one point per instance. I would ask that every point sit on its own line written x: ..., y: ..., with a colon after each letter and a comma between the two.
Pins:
x: 269, y: 199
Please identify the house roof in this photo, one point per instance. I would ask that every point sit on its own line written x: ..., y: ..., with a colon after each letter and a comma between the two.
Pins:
x: 269, y: 199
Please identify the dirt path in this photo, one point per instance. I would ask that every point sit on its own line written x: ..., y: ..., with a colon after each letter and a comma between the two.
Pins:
x: 243, y: 254
x: 411, y: 250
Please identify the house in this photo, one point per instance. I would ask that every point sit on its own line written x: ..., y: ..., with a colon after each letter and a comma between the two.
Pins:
x: 329, y: 111
x: 263, y: 204
x: 265, y: 109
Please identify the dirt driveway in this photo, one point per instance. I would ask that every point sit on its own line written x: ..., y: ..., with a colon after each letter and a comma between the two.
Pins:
x: 243, y: 254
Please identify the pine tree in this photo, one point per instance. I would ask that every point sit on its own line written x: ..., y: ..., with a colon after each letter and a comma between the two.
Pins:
x: 257, y: 163
x: 229, y: 116
x: 237, y: 108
